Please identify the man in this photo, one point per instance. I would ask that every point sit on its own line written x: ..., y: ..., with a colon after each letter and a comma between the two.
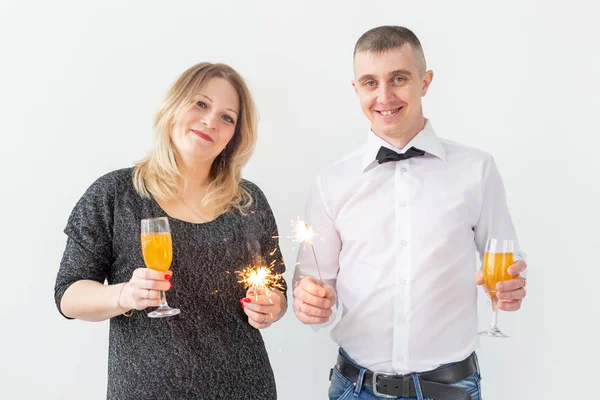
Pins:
x: 400, y: 220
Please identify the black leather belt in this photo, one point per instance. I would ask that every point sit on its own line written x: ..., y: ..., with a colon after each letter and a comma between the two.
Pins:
x: 434, y: 384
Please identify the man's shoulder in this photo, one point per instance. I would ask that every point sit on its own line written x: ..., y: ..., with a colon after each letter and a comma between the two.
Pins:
x: 461, y: 152
x: 346, y: 166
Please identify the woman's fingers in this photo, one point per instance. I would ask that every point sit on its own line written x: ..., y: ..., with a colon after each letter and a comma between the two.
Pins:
x: 258, y: 320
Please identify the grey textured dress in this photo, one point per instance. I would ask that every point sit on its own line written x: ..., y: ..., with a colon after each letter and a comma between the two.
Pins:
x: 209, y: 351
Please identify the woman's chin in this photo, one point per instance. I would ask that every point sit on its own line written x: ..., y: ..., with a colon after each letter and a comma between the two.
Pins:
x: 197, y: 155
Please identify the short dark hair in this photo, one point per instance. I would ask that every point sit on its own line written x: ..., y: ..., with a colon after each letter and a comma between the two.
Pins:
x: 383, y: 38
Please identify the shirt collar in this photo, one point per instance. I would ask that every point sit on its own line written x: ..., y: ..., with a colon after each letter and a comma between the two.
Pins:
x: 425, y: 140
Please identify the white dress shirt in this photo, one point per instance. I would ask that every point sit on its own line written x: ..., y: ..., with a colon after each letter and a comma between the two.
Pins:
x: 398, y: 241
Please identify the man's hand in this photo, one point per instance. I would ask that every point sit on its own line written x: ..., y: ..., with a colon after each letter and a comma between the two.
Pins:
x: 313, y: 300
x: 511, y: 293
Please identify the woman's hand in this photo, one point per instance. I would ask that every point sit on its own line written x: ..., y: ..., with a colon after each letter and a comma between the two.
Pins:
x: 264, y: 308
x: 142, y: 290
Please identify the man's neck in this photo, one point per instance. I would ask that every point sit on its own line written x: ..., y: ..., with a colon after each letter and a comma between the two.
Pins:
x: 401, y: 139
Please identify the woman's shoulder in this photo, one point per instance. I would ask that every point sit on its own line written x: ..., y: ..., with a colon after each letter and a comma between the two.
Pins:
x: 258, y: 196
x: 260, y: 203
x: 105, y: 189
x: 123, y: 176
x: 249, y: 186
x: 114, y: 181
x: 94, y: 210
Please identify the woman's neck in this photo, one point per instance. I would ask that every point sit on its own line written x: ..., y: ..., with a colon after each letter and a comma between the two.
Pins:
x: 195, y: 177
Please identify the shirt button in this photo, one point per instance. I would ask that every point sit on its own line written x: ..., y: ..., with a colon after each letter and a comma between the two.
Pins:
x: 402, y: 204
x: 403, y: 169
x: 402, y: 320
x: 403, y: 281
x: 404, y: 243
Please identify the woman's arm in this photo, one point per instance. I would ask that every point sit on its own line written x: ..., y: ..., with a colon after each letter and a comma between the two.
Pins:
x: 88, y: 261
x: 92, y: 301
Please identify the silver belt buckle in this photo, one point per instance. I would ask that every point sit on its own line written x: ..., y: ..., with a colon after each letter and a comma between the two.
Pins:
x: 375, y: 391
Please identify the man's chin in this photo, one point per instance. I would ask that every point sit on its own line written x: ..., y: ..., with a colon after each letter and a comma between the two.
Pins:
x: 387, y: 130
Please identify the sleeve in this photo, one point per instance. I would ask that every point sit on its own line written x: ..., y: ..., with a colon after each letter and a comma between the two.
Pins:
x: 88, y: 254
x: 327, y: 243
x: 269, y: 236
x: 494, y: 219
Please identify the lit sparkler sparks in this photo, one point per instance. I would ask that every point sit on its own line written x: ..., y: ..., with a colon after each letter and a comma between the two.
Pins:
x: 304, y: 233
x: 260, y: 278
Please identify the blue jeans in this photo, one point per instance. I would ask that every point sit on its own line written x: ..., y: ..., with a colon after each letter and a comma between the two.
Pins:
x: 342, y: 388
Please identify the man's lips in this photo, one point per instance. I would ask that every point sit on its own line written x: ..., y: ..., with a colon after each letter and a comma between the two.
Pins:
x: 389, y: 112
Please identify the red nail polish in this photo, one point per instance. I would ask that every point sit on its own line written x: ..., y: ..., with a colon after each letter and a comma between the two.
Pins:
x: 247, y: 300
x: 170, y: 285
x: 167, y: 277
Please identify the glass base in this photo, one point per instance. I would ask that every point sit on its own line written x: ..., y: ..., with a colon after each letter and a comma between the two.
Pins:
x: 493, y: 331
x: 162, y: 312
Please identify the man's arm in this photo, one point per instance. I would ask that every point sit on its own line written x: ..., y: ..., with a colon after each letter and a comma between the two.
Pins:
x: 313, y: 299
x: 495, y: 222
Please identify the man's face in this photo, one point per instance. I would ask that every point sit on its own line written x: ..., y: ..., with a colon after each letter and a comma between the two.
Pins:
x: 389, y: 87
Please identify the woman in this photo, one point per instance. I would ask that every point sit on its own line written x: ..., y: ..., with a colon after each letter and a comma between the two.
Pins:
x: 204, y: 134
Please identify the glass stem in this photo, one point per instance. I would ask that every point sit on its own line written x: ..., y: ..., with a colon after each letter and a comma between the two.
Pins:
x: 163, y: 300
x: 495, y: 315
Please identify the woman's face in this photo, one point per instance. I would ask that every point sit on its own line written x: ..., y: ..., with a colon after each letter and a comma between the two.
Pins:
x: 203, y: 131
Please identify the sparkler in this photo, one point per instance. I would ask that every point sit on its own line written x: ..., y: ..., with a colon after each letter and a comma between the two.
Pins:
x: 260, y: 277
x: 304, y: 233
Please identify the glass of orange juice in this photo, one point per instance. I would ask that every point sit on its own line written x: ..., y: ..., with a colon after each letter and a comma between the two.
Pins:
x: 157, y: 250
x: 499, y: 255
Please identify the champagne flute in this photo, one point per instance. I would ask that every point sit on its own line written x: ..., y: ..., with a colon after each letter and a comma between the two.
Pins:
x: 157, y: 250
x: 499, y: 255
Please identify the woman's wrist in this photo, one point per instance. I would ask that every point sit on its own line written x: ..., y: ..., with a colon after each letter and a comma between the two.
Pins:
x: 128, y: 312
x: 283, y: 303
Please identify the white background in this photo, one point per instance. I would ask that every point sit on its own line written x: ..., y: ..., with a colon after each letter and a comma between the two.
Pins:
x: 80, y: 81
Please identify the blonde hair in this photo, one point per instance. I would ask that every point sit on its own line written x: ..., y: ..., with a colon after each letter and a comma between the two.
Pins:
x: 158, y: 174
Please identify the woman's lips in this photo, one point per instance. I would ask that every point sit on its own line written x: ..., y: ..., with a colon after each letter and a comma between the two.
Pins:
x: 202, y: 135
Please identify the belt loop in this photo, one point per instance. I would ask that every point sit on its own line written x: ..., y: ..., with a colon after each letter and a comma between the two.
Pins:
x: 417, y: 384
x: 406, y: 386
x: 477, y: 364
x: 359, y: 381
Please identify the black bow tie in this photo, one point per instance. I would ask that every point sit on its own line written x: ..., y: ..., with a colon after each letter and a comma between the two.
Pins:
x: 386, y: 155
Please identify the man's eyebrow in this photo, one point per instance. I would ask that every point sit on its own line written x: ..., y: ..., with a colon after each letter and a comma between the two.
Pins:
x: 401, y: 72
x: 367, y: 77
